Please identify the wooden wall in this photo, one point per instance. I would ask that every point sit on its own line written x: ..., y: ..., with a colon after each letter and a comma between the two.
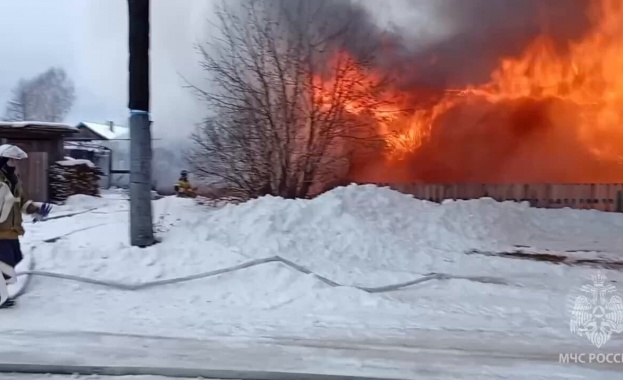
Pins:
x: 34, y: 170
x: 34, y: 175
x: 603, y: 197
x: 53, y: 147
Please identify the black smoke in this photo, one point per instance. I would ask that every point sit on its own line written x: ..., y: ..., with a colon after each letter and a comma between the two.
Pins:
x: 485, y: 31
x: 340, y: 24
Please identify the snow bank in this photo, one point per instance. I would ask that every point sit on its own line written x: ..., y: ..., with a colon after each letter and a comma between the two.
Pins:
x: 96, y: 244
x: 370, y: 235
x: 357, y: 235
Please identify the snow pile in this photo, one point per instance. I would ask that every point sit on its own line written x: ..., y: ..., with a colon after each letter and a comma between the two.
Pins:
x: 95, y: 244
x: 369, y: 234
x: 349, y: 228
x: 356, y: 235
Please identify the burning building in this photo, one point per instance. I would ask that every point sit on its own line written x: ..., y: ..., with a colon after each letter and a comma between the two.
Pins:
x: 522, y: 91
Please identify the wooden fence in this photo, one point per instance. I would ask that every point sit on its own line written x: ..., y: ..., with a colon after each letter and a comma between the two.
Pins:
x: 603, y: 197
x: 34, y: 175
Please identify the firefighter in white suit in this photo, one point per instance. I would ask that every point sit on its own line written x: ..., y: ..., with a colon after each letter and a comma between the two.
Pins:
x: 13, y: 202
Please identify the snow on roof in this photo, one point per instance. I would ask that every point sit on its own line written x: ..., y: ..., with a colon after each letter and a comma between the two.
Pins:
x: 69, y: 161
x: 104, y: 130
x: 35, y: 124
x: 84, y: 145
x: 84, y: 148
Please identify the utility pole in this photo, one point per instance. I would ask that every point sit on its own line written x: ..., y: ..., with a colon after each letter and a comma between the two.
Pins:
x: 141, y: 225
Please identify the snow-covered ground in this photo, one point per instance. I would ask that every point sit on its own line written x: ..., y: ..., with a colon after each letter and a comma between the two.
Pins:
x: 507, y: 317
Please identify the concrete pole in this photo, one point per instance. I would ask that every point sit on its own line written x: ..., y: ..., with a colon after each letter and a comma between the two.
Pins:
x: 141, y: 223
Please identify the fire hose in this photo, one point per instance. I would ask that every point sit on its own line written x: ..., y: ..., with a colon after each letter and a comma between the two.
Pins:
x: 252, y: 263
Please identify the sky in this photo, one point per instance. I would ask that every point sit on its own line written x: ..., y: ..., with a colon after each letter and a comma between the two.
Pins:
x: 88, y: 38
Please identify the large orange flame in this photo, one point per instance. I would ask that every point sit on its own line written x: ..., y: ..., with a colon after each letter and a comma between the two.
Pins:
x: 586, y: 77
x: 589, y: 75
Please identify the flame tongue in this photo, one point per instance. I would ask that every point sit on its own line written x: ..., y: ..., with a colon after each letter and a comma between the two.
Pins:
x: 587, y: 76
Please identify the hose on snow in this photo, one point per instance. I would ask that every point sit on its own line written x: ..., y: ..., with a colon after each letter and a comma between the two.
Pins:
x: 31, y: 271
x: 274, y: 259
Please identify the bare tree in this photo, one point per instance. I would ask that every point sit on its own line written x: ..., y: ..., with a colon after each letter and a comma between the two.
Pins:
x: 290, y: 96
x: 47, y: 97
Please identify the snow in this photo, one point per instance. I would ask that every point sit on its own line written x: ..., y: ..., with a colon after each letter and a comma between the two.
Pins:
x: 23, y: 124
x: 84, y: 145
x: 70, y: 161
x: 104, y: 130
x: 356, y: 236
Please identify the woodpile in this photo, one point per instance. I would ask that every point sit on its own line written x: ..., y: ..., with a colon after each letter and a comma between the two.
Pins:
x: 71, y: 177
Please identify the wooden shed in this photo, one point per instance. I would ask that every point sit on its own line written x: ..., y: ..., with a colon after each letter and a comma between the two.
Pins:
x: 44, y: 144
x: 108, y: 148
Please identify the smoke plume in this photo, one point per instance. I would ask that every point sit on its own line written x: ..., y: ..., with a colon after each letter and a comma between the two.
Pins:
x: 475, y: 34
x: 478, y: 33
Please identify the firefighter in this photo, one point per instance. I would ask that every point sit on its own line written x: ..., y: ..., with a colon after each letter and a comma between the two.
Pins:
x: 183, y: 187
x: 13, y: 203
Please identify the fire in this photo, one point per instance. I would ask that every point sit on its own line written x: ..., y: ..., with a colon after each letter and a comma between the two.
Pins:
x: 589, y: 75
x: 580, y: 89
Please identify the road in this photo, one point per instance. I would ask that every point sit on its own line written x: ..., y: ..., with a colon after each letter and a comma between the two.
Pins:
x: 418, y: 355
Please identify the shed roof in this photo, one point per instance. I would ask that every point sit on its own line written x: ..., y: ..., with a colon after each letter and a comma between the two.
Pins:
x: 107, y: 131
x: 85, y: 145
x: 36, y: 127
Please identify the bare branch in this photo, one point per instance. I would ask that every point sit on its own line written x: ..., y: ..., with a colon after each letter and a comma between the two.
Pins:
x: 46, y: 97
x: 288, y: 86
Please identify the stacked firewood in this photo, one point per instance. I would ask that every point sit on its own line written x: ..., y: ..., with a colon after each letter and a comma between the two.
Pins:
x: 73, y: 177
x: 60, y: 189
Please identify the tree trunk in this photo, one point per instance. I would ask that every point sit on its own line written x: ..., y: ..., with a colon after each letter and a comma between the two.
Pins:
x: 141, y: 226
